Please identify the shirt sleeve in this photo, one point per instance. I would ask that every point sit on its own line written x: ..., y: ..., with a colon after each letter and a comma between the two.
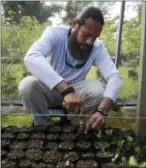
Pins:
x: 35, y: 59
x: 109, y: 71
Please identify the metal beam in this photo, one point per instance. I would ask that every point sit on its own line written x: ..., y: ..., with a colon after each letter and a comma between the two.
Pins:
x: 120, y: 34
x: 141, y: 106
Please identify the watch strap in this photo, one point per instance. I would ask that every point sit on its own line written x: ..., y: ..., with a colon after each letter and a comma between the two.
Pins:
x: 103, y: 111
x: 67, y: 91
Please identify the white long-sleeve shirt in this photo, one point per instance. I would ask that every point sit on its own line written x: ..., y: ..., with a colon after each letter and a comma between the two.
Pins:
x: 46, y: 60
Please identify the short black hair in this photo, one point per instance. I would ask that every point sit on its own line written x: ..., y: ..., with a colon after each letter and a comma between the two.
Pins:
x: 90, y: 11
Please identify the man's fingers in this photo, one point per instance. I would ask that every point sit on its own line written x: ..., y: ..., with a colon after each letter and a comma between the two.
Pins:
x: 64, y: 104
x: 76, y: 109
x: 71, y: 107
x: 81, y: 129
x: 98, y: 124
x: 87, y: 127
x: 92, y: 120
x: 89, y: 124
x: 81, y: 109
x: 74, y: 103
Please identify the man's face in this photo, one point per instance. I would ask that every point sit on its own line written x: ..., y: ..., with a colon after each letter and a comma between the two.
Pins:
x: 88, y: 33
x: 82, y: 38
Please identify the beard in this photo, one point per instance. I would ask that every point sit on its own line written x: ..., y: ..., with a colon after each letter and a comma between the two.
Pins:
x: 75, y: 48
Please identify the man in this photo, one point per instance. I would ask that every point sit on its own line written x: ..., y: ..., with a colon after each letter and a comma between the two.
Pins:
x: 59, y: 62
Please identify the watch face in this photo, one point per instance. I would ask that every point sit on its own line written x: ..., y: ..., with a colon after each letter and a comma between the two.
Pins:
x: 103, y: 111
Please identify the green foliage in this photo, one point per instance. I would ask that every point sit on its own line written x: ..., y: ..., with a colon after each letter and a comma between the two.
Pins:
x: 108, y: 35
x: 125, y: 146
x: 72, y: 8
x: 12, y: 74
x: 129, y: 153
x: 8, y: 84
x: 137, y: 6
x: 16, y: 10
x: 16, y: 39
x: 131, y: 38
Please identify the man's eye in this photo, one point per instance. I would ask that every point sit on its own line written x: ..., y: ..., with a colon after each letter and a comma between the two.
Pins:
x: 87, y: 35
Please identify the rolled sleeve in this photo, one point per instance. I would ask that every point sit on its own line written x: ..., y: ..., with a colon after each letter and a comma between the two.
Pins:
x: 113, y: 87
x: 110, y: 73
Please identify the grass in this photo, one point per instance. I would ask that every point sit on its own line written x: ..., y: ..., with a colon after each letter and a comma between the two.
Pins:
x: 92, y: 74
x: 17, y: 69
x: 18, y: 121
x: 21, y: 121
x: 129, y: 85
x: 121, y: 123
x: 129, y: 89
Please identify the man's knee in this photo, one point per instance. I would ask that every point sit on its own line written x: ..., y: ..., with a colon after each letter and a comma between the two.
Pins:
x: 95, y: 90
x: 27, y: 86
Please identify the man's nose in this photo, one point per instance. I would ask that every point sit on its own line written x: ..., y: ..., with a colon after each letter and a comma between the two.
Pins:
x: 90, y: 41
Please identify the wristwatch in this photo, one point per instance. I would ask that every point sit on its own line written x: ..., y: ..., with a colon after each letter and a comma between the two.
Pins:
x: 103, y: 111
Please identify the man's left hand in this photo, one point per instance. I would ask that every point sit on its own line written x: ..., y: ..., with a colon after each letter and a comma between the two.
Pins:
x: 96, y: 121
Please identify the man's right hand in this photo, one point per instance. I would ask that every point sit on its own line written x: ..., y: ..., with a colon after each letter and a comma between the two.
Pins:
x: 73, y: 102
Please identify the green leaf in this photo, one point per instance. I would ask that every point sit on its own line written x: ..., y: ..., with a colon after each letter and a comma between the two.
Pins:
x: 138, y: 150
x: 115, y: 158
x: 56, y: 120
x: 123, y: 159
x: 133, y: 161
x: 143, y: 165
x: 129, y: 139
x: 109, y: 131
x: 120, y: 143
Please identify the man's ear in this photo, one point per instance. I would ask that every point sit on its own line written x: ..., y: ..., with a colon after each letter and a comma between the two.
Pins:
x: 74, y: 24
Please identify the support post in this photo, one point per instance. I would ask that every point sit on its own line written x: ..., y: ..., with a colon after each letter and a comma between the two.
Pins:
x: 141, y: 104
x: 120, y: 34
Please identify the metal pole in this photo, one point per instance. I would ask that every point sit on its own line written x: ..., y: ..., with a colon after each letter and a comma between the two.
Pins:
x: 120, y: 34
x: 141, y: 104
